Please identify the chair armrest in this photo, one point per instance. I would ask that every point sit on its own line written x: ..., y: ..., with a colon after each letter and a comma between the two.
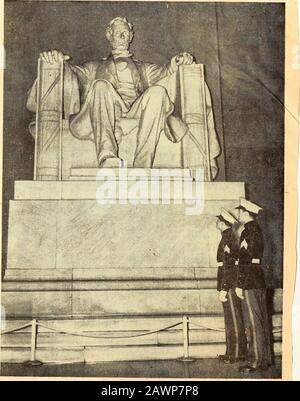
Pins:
x: 45, y: 88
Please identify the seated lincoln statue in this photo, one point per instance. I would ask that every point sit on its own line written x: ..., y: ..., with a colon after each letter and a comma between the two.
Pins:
x: 120, y: 87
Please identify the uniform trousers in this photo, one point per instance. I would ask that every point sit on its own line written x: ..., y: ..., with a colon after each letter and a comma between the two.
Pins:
x: 236, y: 342
x: 257, y: 326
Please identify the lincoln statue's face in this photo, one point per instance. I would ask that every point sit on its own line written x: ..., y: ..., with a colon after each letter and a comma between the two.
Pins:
x: 120, y: 36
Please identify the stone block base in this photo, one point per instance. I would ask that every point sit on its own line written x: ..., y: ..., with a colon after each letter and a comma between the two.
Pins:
x: 115, y: 267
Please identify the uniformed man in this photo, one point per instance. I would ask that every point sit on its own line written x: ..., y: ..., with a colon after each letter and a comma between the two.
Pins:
x: 251, y: 289
x: 236, y: 343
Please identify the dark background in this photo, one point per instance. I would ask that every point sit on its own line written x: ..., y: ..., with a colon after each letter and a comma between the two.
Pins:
x: 242, y: 47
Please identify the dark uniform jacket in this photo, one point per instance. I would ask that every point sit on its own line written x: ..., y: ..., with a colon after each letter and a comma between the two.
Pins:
x: 226, y: 257
x: 250, y: 272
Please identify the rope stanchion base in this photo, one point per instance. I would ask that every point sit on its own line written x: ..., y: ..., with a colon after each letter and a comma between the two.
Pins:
x: 186, y: 359
x: 33, y: 363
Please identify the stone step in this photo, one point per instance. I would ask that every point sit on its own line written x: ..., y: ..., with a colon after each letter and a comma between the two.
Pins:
x: 119, y: 302
x: 109, y: 274
x: 167, y: 338
x: 107, y: 285
x: 206, y: 339
x: 163, y: 338
x: 130, y: 173
x: 87, y: 190
x: 126, y: 323
x: 109, y: 354
x: 62, y: 340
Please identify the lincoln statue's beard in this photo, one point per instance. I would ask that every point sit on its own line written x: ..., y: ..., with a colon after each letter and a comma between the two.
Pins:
x: 120, y: 44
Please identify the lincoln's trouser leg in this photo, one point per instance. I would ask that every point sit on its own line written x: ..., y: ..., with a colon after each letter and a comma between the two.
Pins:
x: 103, y: 117
x: 102, y: 107
x: 152, y: 110
x: 255, y: 315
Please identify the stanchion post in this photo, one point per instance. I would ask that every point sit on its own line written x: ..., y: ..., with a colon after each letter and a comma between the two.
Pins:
x: 34, y: 331
x: 185, y: 325
x: 185, y: 333
x: 33, y: 340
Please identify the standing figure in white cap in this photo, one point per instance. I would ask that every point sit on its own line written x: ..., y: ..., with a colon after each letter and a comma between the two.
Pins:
x: 251, y: 289
x: 227, y: 254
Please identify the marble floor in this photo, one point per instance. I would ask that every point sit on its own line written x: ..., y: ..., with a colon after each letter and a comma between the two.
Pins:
x: 202, y: 368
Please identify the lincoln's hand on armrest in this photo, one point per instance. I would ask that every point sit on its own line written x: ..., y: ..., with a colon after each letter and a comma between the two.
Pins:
x: 181, y: 59
x: 71, y: 96
x: 54, y: 56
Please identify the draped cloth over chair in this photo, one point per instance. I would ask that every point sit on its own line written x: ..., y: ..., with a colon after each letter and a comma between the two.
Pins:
x: 64, y: 138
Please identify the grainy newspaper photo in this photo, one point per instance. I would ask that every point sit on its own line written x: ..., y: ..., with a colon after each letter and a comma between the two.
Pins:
x: 145, y: 183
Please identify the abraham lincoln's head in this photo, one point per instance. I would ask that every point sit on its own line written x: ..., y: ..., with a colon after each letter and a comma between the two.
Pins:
x: 120, y: 33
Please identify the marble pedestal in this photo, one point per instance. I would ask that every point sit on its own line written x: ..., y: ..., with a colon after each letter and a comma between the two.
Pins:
x: 73, y: 259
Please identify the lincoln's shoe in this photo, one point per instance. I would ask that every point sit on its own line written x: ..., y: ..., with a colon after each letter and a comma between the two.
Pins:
x: 111, y: 162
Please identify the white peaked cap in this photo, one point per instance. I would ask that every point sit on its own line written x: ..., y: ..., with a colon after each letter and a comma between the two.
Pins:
x: 228, y: 216
x: 250, y: 206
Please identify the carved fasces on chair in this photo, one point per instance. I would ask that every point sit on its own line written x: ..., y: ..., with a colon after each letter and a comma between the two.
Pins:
x: 49, y: 115
x: 200, y: 147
